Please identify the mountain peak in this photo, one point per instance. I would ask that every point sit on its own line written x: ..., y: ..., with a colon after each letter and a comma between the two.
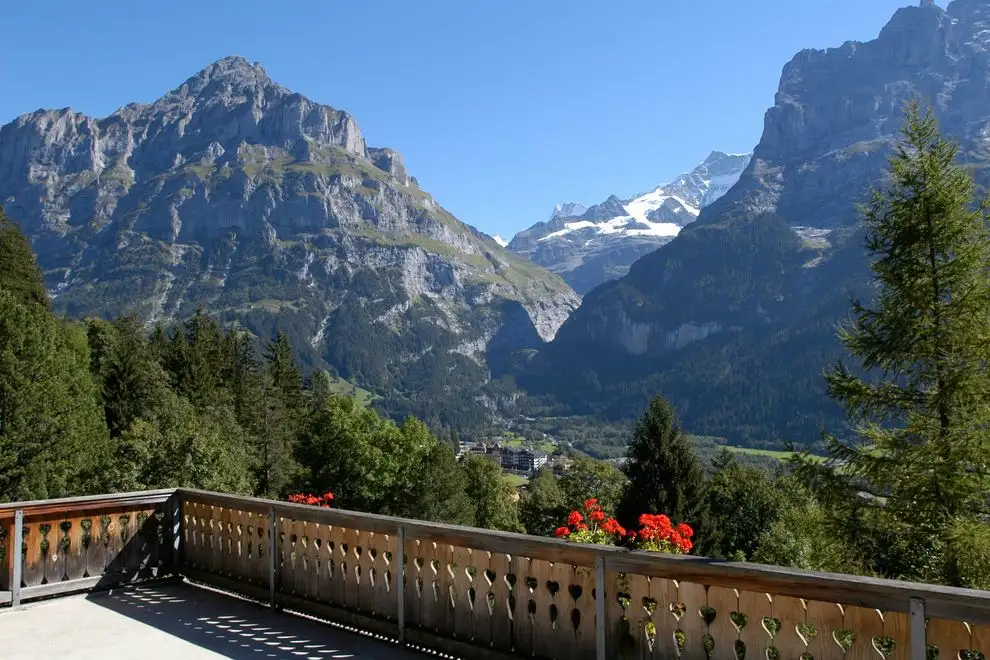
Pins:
x: 233, y: 73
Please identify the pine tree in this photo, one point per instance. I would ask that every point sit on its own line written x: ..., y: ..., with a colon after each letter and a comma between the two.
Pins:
x: 664, y: 473
x: 283, y: 415
x: 921, y: 400
x: 19, y: 272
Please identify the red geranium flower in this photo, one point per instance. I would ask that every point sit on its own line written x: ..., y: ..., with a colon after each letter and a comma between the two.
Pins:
x: 574, y: 518
x: 561, y: 532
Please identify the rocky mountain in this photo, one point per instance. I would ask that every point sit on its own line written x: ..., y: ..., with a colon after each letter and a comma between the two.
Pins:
x: 734, y: 319
x: 590, y: 246
x: 272, y: 212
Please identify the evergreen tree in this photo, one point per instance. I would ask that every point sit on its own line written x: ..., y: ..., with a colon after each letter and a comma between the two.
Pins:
x: 664, y: 474
x: 19, y: 275
x: 131, y: 381
x: 544, y: 506
x: 53, y: 440
x: 439, y: 495
x: 283, y: 415
x: 921, y: 402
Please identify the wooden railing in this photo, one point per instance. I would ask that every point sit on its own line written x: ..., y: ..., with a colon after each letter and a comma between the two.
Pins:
x: 477, y: 593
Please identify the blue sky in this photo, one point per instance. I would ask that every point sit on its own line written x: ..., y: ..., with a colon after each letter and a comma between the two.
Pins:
x: 500, y: 108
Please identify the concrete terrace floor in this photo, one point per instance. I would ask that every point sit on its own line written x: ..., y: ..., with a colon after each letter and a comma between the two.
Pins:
x: 176, y: 622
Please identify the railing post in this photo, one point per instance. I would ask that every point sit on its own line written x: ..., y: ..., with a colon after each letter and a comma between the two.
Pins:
x: 600, y: 599
x: 272, y: 557
x: 175, y: 516
x: 400, y: 577
x: 919, y: 641
x: 17, y: 558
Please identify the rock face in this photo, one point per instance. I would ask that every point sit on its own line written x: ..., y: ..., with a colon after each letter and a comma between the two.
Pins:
x: 590, y: 246
x: 270, y: 210
x: 734, y: 319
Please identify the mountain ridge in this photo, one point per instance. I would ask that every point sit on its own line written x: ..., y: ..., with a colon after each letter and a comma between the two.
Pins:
x: 734, y: 319
x: 590, y: 245
x: 271, y: 211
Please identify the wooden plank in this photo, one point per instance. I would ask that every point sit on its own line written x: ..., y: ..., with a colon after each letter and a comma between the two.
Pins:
x: 500, y: 624
x: 34, y: 557
x: 580, y: 595
x: 563, y: 630
x: 541, y: 579
x: 386, y: 586
x: 865, y: 624
x: 462, y: 560
x: 723, y: 602
x: 791, y: 613
x: 417, y: 588
x: 897, y: 626
x: 300, y: 555
x: 979, y: 639
x: 638, y: 588
x: 75, y: 548
x: 664, y: 591
x: 694, y: 597
x: 444, y: 586
x: 337, y: 557
x: 755, y: 606
x: 822, y: 621
x: 619, y: 629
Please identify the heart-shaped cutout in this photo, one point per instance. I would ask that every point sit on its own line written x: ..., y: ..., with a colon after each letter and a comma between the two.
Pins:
x: 575, y: 590
x: 343, y: 548
x: 490, y: 576
x: 771, y: 625
x: 450, y: 571
x: 510, y: 579
x: 707, y: 614
x: 418, y: 561
x: 358, y: 550
x: 532, y: 583
x: 807, y: 632
x: 373, y: 553
x: 738, y: 620
x: 650, y: 605
x: 553, y: 588
x: 844, y: 638
x: 678, y: 609
x: 471, y: 572
x: 435, y: 565
x: 623, y: 599
x: 884, y: 645
x: 969, y: 654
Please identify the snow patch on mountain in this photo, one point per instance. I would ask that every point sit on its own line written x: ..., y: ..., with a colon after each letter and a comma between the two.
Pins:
x: 501, y: 241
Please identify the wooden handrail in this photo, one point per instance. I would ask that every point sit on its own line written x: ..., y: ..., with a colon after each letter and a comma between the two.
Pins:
x: 84, y: 502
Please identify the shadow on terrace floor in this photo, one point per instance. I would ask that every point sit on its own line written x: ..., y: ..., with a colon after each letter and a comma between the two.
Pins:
x: 177, y: 621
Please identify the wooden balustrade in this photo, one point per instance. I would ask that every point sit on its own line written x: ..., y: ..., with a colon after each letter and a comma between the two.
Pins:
x: 478, y: 593
x: 82, y: 543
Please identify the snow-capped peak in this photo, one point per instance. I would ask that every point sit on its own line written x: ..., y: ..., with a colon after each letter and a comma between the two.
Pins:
x: 501, y: 241
x: 568, y: 210
x: 661, y: 212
